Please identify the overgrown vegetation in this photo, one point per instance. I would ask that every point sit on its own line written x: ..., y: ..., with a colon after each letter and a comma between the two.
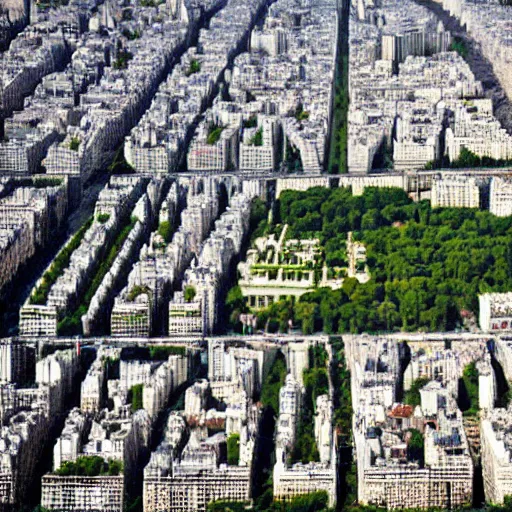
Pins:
x: 194, y: 67
x: 467, y: 160
x: 252, y: 122
x: 257, y: 138
x: 72, y: 323
x: 90, y: 465
x: 272, y: 383
x: 214, y: 133
x: 316, y: 383
x: 227, y: 506
x: 293, y: 160
x: 426, y: 265
x: 41, y: 182
x: 233, y: 449
x: 102, y: 218
x: 135, y: 292
x: 339, y: 129
x: 135, y: 397
x: 412, y: 396
x: 59, y: 264
x: 165, y: 230
x: 119, y: 165
x: 416, y: 446
x: 313, y: 502
x: 152, y: 352
x: 189, y: 293
x: 342, y: 398
x: 123, y: 57
x: 162, y: 352
x: 300, y: 113
x: 342, y: 405
x: 258, y: 223
x: 468, y: 391
x: 74, y: 143
x: 383, y: 159
x: 459, y: 45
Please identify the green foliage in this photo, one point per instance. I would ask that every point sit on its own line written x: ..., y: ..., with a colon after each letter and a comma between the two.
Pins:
x: 275, y: 318
x: 43, y: 182
x: 258, y: 223
x: 135, y: 292
x: 214, y: 134
x: 300, y: 113
x: 293, y: 159
x: 272, y: 383
x: 507, y: 500
x: 468, y: 394
x: 119, y: 165
x: 383, y: 159
x: 459, y: 45
x: 257, y: 138
x: 426, y: 264
x: 316, y: 383
x: 252, y: 122
x: 235, y: 306
x: 123, y: 57
x: 189, y: 293
x: 131, y: 35
x: 338, y: 142
x: 165, y: 230
x: 72, y: 324
x: 342, y: 397
x: 59, y: 264
x: 102, y: 218
x: 468, y: 159
x: 305, y: 313
x: 194, y: 67
x: 416, y: 446
x: 227, y: 506
x: 233, y: 447
x: 135, y: 397
x: 312, y: 502
x: 135, y: 505
x: 162, y: 353
x: 90, y: 465
x: 74, y: 143
x: 413, y: 397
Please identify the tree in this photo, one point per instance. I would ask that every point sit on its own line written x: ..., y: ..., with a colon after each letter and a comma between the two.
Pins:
x: 328, y: 314
x: 416, y: 446
x: 189, y: 293
x: 387, y: 315
x: 135, y: 397
x: 413, y: 397
x: 90, y: 465
x: 284, y: 314
x: 165, y: 231
x: 409, y: 310
x: 272, y: 383
x: 305, y: 313
x: 371, y: 219
x: 233, y: 449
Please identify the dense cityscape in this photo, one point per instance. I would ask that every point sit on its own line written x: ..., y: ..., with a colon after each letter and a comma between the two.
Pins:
x: 255, y: 255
